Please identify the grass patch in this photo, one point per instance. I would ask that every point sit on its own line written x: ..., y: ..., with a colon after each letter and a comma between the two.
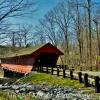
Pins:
x: 41, y: 78
x: 7, y: 95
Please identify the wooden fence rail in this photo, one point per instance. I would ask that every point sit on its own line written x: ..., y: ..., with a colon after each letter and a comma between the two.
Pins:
x: 60, y: 70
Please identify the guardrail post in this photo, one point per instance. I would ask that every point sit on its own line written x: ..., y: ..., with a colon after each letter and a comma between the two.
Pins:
x: 96, y: 68
x: 61, y: 66
x: 64, y: 74
x: 57, y: 71
x: 80, y: 77
x: 47, y: 69
x: 90, y: 68
x: 65, y: 67
x: 37, y: 68
x: 41, y: 68
x: 71, y: 74
x: 80, y: 68
x: 97, y: 88
x: 52, y: 71
x: 86, y: 80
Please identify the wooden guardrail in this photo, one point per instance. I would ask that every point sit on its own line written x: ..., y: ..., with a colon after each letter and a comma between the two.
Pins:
x: 60, y: 70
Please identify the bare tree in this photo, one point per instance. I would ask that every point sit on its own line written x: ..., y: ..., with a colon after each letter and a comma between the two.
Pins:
x: 40, y: 34
x: 90, y: 35
x: 49, y: 28
x: 26, y: 32
x: 62, y: 18
x: 13, y: 8
x: 70, y: 25
x: 98, y: 40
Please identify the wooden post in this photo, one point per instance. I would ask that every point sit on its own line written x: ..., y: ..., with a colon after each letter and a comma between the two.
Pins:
x: 80, y: 77
x: 57, y: 71
x: 80, y: 68
x: 86, y: 80
x: 65, y: 67
x: 96, y: 68
x: 37, y: 68
x: 52, y: 71
x: 71, y: 74
x: 90, y: 68
x: 97, y: 88
x: 64, y: 74
x: 47, y: 69
x: 62, y: 67
x: 41, y: 68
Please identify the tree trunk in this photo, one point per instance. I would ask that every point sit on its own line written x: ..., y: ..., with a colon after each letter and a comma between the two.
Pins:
x: 90, y: 37
x: 13, y: 39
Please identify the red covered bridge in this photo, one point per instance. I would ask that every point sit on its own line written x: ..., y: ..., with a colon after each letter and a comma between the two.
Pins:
x: 23, y: 61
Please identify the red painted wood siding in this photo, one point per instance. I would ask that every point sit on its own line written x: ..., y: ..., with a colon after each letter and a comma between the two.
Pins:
x: 23, y: 60
x: 29, y: 60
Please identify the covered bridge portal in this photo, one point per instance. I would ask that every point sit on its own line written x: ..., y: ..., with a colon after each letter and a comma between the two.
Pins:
x: 23, y: 61
x: 46, y: 59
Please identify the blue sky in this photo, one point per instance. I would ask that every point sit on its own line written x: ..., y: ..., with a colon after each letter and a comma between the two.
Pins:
x: 43, y: 6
